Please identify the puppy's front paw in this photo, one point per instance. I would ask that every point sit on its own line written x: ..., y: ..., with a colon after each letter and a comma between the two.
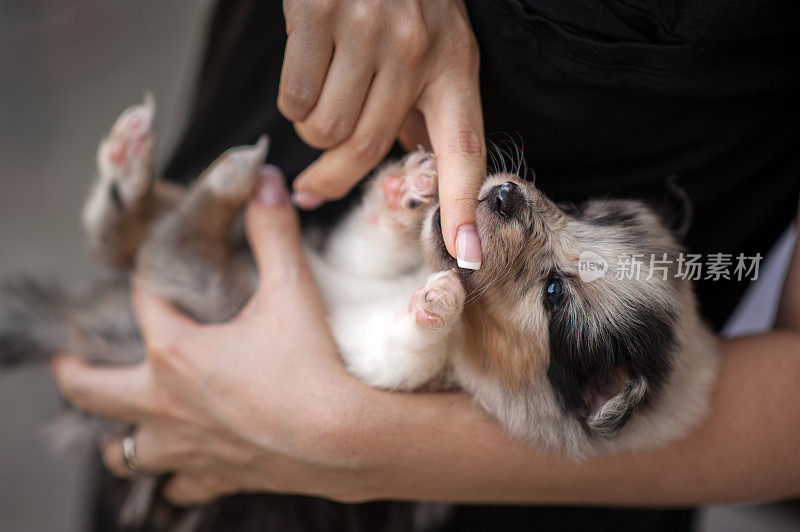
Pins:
x: 409, y: 185
x: 125, y: 156
x: 438, y: 304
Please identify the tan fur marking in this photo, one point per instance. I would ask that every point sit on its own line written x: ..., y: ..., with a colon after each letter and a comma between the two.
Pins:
x: 496, y: 348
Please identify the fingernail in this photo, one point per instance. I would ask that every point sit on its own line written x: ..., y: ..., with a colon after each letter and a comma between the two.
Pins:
x: 468, y: 248
x: 272, y: 190
x: 307, y: 200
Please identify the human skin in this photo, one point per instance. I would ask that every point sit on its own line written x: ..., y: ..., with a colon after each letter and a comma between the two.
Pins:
x: 262, y: 403
x: 359, y: 74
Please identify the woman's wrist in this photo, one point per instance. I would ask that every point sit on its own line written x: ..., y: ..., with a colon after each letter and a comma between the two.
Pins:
x: 390, y: 443
x: 329, y: 435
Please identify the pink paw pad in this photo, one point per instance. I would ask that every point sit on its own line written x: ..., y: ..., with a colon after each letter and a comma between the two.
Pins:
x: 137, y: 122
x: 439, y: 302
x: 393, y: 190
x: 425, y: 183
x: 413, y: 184
x: 131, y: 137
x: 116, y: 152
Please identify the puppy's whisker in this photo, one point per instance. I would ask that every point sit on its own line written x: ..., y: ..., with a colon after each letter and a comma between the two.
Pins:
x: 501, y: 276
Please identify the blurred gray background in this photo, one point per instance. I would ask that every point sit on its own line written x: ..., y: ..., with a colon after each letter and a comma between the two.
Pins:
x: 66, y: 71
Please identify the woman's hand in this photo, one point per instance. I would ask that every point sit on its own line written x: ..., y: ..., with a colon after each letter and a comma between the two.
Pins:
x: 358, y: 74
x: 250, y: 405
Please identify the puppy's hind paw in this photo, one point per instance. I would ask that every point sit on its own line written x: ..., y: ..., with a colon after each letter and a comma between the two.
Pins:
x: 235, y: 173
x: 439, y: 303
x: 125, y: 157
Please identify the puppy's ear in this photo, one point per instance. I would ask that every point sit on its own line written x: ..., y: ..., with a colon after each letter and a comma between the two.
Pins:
x: 604, y: 371
x: 612, y: 405
x: 676, y: 207
x: 570, y: 207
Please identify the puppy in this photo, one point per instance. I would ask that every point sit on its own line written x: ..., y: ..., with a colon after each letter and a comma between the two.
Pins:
x: 578, y: 366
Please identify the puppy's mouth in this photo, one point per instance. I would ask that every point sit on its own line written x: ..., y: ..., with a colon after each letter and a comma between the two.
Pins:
x: 437, y: 223
x: 438, y: 238
x: 447, y: 260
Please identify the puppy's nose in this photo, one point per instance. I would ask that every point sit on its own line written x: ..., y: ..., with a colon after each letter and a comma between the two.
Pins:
x: 506, y: 199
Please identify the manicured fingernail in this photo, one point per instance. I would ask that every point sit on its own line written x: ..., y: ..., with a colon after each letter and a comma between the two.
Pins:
x: 272, y: 190
x: 307, y: 200
x: 468, y: 248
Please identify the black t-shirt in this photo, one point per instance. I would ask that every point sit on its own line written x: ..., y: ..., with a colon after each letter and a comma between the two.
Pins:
x: 613, y: 97
x: 607, y: 98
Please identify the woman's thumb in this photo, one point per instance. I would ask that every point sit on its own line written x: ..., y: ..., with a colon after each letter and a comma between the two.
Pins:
x: 271, y: 223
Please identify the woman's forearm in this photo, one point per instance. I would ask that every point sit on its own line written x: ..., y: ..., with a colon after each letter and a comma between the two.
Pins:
x: 442, y: 447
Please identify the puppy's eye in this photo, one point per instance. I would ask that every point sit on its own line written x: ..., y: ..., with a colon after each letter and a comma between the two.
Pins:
x: 555, y: 289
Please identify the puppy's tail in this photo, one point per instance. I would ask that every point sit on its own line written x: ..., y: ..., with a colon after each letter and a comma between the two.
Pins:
x: 32, y: 322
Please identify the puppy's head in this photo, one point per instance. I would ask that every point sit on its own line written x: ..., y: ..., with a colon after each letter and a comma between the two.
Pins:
x: 556, y: 310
